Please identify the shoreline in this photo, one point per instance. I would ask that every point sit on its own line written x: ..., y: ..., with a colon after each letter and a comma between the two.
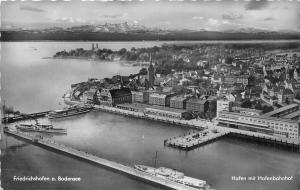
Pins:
x: 99, y: 60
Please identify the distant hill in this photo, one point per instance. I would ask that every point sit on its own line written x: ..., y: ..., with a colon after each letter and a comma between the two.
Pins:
x: 134, y: 32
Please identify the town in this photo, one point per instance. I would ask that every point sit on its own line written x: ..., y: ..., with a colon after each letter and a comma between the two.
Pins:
x: 251, y: 93
x: 249, y: 89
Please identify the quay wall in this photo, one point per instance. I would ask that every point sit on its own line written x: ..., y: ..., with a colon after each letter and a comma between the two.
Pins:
x: 182, y: 123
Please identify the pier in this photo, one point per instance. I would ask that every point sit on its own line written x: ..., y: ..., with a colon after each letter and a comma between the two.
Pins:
x: 24, y: 117
x: 193, y: 140
x: 48, y: 143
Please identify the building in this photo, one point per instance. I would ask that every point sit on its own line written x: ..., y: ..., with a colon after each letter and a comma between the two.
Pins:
x: 137, y: 96
x: 89, y: 96
x: 285, y: 96
x: 112, y: 97
x: 247, y: 111
x: 243, y: 79
x: 178, y: 102
x: 197, y: 105
x: 294, y: 115
x: 229, y: 80
x: 283, y: 111
x: 223, y: 103
x: 284, y: 128
x: 151, y: 75
x: 161, y: 99
x: 171, y: 113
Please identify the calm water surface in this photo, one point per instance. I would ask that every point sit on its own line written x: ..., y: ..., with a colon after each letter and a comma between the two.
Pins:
x: 31, y: 84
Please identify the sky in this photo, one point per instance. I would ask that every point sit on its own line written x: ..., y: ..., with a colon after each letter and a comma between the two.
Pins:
x: 188, y: 14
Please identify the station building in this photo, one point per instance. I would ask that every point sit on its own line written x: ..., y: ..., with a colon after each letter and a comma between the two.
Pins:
x: 259, y: 123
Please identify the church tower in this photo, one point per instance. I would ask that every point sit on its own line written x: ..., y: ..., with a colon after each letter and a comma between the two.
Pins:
x: 151, y: 73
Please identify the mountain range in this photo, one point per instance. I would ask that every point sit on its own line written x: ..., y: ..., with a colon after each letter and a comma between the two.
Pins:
x: 133, y: 31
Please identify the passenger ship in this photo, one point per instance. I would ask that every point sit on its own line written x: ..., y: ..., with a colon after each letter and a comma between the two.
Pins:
x: 173, y: 175
x: 70, y: 111
x: 42, y: 128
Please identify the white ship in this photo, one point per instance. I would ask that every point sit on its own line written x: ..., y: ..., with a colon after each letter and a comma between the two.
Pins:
x: 173, y: 175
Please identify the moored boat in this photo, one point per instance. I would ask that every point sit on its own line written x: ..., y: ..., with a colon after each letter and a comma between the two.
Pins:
x: 42, y: 128
x: 70, y: 111
x: 173, y: 175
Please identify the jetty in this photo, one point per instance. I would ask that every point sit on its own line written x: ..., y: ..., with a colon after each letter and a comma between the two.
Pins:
x: 48, y: 143
x: 196, y: 139
x: 193, y: 140
x: 21, y: 117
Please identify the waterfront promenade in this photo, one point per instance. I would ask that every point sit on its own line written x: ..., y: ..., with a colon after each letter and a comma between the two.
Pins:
x: 48, y: 143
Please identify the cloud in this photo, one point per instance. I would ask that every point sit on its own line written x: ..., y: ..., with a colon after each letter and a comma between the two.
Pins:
x: 213, y: 22
x: 256, y: 5
x: 116, y: 16
x: 197, y: 17
x: 70, y: 20
x: 232, y: 16
x: 269, y: 19
x: 29, y: 8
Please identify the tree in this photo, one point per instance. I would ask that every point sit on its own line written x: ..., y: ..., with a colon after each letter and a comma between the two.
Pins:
x: 267, y: 109
x: 228, y: 60
x: 246, y: 104
x: 143, y: 71
x: 122, y: 51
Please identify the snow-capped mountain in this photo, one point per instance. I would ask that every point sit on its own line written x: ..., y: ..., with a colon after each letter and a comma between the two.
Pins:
x: 108, y: 27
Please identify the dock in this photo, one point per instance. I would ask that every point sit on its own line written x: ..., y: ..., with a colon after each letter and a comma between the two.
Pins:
x: 24, y: 117
x: 193, y: 140
x: 48, y: 143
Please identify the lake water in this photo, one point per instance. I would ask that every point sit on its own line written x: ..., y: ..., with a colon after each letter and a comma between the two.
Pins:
x: 30, y: 84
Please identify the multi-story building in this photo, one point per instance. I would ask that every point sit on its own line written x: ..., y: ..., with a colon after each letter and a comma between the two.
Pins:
x: 229, y: 80
x: 178, y: 102
x: 247, y: 111
x: 243, y: 79
x: 112, y: 97
x: 285, y: 128
x: 285, y: 96
x: 89, y: 96
x: 224, y: 102
x: 137, y: 96
x: 161, y: 99
x: 197, y: 105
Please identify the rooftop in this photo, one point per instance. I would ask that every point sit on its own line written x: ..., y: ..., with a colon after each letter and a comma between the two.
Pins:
x: 178, y: 98
x: 292, y: 115
x: 197, y: 100
x: 260, y: 117
x: 282, y: 109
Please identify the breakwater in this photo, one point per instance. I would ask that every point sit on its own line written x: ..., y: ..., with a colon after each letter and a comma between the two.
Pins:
x: 48, y: 143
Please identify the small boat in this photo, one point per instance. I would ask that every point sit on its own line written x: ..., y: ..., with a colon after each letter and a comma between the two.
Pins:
x: 42, y: 128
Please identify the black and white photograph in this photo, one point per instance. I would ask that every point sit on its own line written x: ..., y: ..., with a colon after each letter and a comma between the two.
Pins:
x: 150, y: 95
